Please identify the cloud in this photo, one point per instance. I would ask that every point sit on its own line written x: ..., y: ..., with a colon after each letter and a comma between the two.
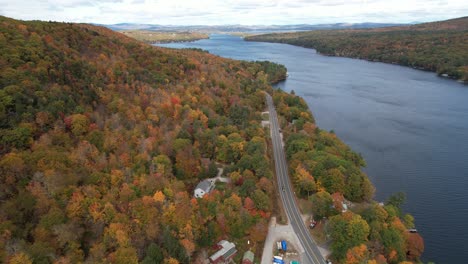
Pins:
x: 215, y: 12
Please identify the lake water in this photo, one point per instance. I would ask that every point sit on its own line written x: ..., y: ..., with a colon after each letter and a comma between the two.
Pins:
x: 410, y: 126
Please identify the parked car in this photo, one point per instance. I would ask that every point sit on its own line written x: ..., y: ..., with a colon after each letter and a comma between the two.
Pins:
x: 313, y: 223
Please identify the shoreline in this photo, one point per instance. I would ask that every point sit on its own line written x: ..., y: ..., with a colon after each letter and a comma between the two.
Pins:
x: 441, y: 75
x: 334, y: 52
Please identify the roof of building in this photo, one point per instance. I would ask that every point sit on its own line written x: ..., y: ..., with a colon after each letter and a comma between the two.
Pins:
x: 230, y: 252
x: 227, y: 250
x: 337, y: 197
x: 205, y: 185
x: 223, y: 243
x: 248, y: 255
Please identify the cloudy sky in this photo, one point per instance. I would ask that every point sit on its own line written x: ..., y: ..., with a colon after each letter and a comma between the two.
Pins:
x: 246, y: 12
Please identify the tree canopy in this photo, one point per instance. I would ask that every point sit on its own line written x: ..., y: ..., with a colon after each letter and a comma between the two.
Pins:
x: 103, y: 139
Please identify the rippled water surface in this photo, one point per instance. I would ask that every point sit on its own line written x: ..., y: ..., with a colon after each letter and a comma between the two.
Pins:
x: 411, y: 127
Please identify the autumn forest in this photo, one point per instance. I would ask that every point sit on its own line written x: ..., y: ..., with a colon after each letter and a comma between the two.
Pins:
x: 103, y: 140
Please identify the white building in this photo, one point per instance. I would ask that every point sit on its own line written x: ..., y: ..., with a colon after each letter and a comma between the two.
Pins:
x: 203, y: 188
x: 226, y: 251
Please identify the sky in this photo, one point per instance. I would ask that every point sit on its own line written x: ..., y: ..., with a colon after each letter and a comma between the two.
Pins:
x: 243, y: 12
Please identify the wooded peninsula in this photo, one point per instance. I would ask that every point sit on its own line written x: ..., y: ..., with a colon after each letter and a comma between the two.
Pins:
x: 151, y: 36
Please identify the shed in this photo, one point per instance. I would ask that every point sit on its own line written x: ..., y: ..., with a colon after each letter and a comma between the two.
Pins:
x: 248, y: 257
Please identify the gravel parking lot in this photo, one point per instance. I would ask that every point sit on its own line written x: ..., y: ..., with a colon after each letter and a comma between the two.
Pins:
x: 277, y: 232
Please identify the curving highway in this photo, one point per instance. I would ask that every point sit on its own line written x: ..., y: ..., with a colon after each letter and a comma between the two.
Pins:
x: 312, y: 253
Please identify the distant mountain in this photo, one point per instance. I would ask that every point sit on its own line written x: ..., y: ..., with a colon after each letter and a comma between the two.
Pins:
x: 252, y: 28
x: 126, y: 26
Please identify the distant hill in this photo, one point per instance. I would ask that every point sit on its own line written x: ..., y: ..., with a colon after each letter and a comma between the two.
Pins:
x: 441, y: 46
x: 460, y: 24
x: 246, y: 29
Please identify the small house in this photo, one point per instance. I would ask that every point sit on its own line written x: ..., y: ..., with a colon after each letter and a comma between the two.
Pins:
x: 226, y: 251
x: 203, y: 188
x: 345, y: 207
x: 339, y: 202
x: 248, y: 257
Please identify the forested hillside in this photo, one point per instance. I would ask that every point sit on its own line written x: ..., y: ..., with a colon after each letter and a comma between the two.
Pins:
x: 103, y: 139
x: 441, y: 47
x: 325, y: 172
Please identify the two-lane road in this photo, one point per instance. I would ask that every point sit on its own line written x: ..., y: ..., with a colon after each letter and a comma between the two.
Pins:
x: 312, y: 253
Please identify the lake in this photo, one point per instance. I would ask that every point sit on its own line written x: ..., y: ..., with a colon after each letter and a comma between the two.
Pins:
x: 410, y: 126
